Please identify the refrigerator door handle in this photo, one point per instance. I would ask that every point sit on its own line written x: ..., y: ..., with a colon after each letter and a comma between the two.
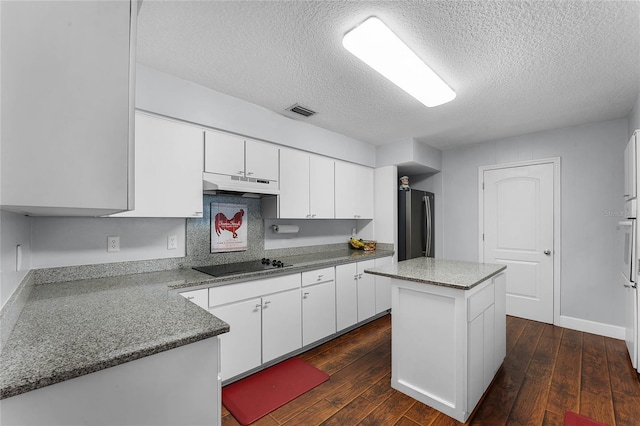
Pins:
x: 427, y: 234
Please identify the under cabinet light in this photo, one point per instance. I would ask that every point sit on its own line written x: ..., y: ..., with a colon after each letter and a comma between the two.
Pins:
x: 377, y: 46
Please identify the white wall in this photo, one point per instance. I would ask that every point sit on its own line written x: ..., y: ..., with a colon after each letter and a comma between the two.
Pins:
x: 312, y: 232
x: 164, y: 94
x: 591, y: 186
x: 70, y: 241
x: 15, y: 230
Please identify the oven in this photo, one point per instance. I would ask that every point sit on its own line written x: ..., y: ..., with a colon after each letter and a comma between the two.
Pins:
x: 628, y: 228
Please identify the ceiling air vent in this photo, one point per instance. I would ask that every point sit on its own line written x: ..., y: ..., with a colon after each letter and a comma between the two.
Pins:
x: 301, y: 110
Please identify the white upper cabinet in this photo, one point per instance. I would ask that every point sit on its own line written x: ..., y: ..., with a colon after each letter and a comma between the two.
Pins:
x: 224, y: 154
x: 353, y: 191
x: 67, y: 107
x: 306, y: 185
x: 234, y: 155
x: 294, y: 184
x: 261, y: 160
x: 168, y: 168
x: 321, y: 187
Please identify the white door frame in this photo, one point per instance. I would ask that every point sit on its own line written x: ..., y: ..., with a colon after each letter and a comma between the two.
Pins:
x: 556, y: 221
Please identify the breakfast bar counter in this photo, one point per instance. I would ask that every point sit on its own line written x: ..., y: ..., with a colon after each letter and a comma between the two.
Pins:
x: 448, y: 335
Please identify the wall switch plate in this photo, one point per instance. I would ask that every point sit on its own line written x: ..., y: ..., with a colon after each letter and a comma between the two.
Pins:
x: 113, y: 244
x: 172, y: 242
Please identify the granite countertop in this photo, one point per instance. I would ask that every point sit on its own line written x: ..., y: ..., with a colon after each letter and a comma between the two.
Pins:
x: 447, y: 273
x: 301, y: 263
x: 69, y: 329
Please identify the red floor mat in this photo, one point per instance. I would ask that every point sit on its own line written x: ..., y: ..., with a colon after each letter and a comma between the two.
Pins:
x: 573, y: 419
x: 259, y: 394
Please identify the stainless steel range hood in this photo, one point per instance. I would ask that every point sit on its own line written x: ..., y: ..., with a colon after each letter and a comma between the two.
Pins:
x: 214, y: 183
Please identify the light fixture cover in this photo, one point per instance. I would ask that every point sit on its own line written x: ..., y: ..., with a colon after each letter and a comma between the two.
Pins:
x: 377, y: 46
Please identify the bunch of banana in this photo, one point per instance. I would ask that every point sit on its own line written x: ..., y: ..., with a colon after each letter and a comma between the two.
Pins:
x: 357, y: 244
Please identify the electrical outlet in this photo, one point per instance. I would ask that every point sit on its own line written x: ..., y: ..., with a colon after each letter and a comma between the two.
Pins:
x: 172, y: 242
x: 113, y: 244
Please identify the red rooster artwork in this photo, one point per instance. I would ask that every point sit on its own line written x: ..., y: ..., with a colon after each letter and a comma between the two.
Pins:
x: 221, y: 223
x: 229, y: 223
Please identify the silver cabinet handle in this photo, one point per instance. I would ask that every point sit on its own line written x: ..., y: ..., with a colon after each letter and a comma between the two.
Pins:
x: 547, y: 252
x: 249, y: 173
x: 304, y: 295
x: 241, y: 172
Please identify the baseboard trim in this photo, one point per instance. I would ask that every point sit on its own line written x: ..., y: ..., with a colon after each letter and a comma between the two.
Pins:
x: 599, y: 328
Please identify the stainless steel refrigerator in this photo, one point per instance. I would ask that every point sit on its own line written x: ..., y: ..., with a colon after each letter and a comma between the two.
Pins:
x: 415, y: 224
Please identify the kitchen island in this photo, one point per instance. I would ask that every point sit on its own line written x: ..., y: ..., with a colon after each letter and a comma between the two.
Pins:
x: 448, y: 330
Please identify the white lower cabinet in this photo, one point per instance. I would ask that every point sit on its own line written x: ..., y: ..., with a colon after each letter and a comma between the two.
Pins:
x: 366, y: 290
x: 318, y: 305
x: 383, y: 287
x: 240, y: 348
x: 199, y: 297
x: 346, y: 295
x: 264, y: 318
x: 281, y: 324
x: 355, y: 293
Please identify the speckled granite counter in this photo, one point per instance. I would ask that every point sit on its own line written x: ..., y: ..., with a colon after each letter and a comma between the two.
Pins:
x: 448, y: 273
x: 301, y: 263
x: 69, y: 329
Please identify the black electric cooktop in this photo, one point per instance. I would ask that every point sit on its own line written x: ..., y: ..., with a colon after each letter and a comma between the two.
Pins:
x: 226, y: 269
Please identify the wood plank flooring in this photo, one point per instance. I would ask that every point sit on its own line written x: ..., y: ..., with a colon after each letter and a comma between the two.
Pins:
x: 548, y: 370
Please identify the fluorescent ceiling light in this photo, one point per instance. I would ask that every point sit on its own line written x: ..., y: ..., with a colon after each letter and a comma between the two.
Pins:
x: 377, y: 46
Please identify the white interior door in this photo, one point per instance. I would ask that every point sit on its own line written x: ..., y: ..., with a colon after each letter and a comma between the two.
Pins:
x: 518, y: 215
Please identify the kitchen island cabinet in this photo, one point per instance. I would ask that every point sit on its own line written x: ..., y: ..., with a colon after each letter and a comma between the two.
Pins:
x: 448, y: 330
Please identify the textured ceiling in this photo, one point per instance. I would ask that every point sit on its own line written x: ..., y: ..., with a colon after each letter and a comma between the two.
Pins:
x: 516, y: 66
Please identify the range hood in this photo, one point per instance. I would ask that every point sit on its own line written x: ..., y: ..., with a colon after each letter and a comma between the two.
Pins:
x: 214, y: 183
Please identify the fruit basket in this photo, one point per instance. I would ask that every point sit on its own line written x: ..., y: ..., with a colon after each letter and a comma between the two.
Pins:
x: 367, y: 245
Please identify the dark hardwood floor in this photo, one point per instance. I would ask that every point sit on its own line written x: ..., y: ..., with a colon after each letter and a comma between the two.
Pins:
x: 548, y: 370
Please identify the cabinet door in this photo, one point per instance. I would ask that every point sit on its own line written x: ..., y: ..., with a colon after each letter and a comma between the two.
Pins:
x: 346, y: 296
x: 366, y: 291
x: 281, y: 324
x: 168, y: 169
x: 321, y: 187
x: 318, y: 311
x: 294, y: 184
x: 481, y: 356
x: 353, y: 191
x: 345, y: 183
x: 67, y: 107
x: 500, y: 288
x: 383, y: 287
x: 364, y: 192
x: 240, y: 347
x: 199, y: 297
x: 223, y: 153
x: 261, y: 160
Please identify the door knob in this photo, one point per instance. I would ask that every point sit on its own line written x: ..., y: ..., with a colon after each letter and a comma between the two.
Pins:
x: 547, y: 252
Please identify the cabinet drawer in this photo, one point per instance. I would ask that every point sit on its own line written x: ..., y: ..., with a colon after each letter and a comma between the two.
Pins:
x: 480, y: 301
x: 246, y: 290
x: 318, y: 276
x: 199, y: 297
